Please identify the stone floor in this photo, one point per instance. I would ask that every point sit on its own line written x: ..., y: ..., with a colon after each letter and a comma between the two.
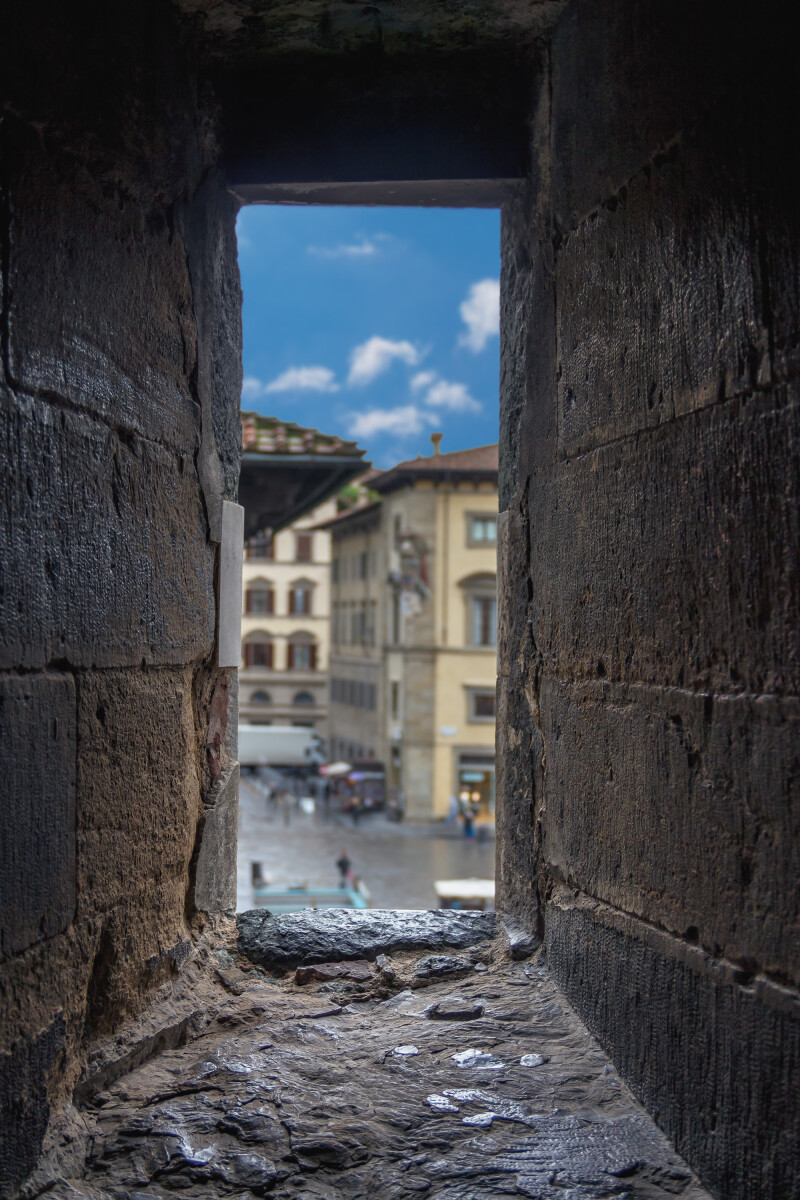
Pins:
x: 398, y: 863
x: 457, y: 1074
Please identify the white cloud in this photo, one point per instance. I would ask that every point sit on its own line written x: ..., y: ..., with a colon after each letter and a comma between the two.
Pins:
x: 422, y: 380
x: 304, y: 379
x: 480, y: 312
x: 453, y: 396
x: 373, y: 357
x: 243, y: 242
x: 251, y: 387
x: 361, y: 248
x: 402, y: 421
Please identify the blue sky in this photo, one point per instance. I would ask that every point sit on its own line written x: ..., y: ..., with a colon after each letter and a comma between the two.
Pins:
x: 379, y: 324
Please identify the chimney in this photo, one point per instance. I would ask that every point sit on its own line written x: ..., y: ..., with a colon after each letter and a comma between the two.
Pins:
x: 436, y: 439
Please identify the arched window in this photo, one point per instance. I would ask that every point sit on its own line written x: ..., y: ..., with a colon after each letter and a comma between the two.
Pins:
x: 259, y: 597
x: 301, y: 653
x: 300, y: 597
x: 480, y: 593
x: 261, y: 698
x: 303, y: 698
x: 257, y: 650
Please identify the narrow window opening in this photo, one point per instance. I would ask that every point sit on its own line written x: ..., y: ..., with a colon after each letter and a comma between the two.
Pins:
x: 374, y: 332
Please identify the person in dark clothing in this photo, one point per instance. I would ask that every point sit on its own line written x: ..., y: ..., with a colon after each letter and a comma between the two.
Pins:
x: 343, y: 863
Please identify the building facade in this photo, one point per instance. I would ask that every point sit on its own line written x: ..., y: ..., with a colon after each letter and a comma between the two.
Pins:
x: 413, y: 621
x: 286, y: 625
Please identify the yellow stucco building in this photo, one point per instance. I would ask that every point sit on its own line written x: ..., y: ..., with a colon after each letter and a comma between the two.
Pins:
x: 286, y: 625
x: 413, y: 629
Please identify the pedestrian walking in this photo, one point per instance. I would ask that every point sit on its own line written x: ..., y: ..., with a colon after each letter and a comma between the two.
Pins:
x: 343, y: 863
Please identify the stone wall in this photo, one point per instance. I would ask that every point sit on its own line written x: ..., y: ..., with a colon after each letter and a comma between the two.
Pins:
x: 119, y: 412
x: 649, y: 710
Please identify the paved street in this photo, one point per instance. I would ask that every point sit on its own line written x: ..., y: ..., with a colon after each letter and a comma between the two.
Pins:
x: 398, y: 863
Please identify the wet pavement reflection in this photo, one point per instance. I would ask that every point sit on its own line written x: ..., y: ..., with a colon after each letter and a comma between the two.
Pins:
x: 398, y: 862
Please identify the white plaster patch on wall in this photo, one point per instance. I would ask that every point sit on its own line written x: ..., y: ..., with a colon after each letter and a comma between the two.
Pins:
x: 231, y: 552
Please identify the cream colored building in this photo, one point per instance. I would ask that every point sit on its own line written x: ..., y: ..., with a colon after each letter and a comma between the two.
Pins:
x: 286, y: 625
x: 413, y: 624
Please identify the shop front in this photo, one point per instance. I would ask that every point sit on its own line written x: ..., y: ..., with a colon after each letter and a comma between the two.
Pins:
x: 475, y: 779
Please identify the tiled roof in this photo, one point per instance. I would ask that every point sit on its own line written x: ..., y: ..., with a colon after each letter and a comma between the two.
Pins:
x: 479, y: 460
x: 347, y: 513
x: 269, y: 435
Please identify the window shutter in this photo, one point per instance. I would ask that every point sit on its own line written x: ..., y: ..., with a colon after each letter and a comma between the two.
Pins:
x: 290, y: 657
x: 312, y: 657
x: 248, y: 601
x: 248, y: 656
x: 270, y: 601
x: 269, y: 654
x: 292, y: 601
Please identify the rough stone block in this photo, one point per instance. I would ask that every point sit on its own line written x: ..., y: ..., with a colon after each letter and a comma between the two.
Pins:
x: 712, y: 1053
x: 518, y: 766
x: 515, y: 649
x: 439, y: 966
x: 117, y: 336
x: 215, y: 873
x: 659, y: 307
x: 138, y: 788
x: 341, y: 934
x: 670, y: 559
x: 527, y: 353
x: 682, y: 809
x: 626, y: 79
x: 37, y: 814
x: 107, y: 561
x: 24, y: 1104
x: 358, y: 970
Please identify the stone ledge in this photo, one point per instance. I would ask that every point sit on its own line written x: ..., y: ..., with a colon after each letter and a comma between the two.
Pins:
x: 279, y: 943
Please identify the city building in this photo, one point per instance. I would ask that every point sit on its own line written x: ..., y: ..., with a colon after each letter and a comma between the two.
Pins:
x: 289, y: 479
x: 286, y: 625
x: 413, y: 629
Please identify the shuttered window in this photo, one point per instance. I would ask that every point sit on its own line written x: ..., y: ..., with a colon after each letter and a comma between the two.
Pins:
x: 259, y: 600
x: 258, y: 654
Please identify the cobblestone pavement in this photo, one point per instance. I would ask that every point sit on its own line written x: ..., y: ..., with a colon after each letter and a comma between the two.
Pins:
x: 365, y: 1083
x: 398, y: 863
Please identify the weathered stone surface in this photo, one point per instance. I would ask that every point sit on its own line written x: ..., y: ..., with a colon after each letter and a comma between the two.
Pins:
x: 646, y: 715
x: 519, y: 793
x: 455, y: 1008
x: 438, y: 966
x: 89, y: 519
x: 117, y: 353
x: 521, y: 940
x: 37, y: 814
x: 714, y: 859
x: 381, y: 1101
x: 341, y: 934
x: 359, y: 970
x: 138, y: 795
x: 24, y: 1108
x: 625, y: 84
x: 717, y: 1055
x: 528, y: 413
x: 696, y: 331
x: 215, y: 870
x: 670, y: 578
